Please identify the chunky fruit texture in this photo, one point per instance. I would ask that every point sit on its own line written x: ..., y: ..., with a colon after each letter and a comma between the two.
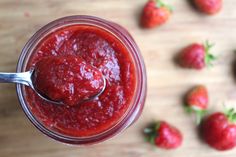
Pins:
x: 67, y: 79
x: 163, y: 135
x: 197, y: 101
x: 102, y: 50
x: 209, y: 6
x: 196, y: 56
x: 155, y: 13
x: 219, y: 130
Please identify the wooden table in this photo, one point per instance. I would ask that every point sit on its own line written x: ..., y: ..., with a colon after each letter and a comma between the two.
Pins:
x: 167, y: 83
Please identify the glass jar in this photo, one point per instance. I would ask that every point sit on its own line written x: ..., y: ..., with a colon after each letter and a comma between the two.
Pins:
x: 120, y: 33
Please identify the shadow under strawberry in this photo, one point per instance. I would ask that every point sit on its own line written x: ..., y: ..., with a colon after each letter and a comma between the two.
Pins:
x: 191, y: 4
x: 199, y: 130
x: 176, y: 58
x: 138, y: 14
x: 234, y: 66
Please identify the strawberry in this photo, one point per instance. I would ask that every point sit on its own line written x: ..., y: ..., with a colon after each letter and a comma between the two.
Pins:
x: 196, y: 56
x: 197, y: 101
x: 219, y: 130
x: 155, y: 13
x: 163, y: 135
x: 209, y: 6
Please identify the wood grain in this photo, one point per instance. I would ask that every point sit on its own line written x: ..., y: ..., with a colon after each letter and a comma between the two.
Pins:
x: 167, y: 83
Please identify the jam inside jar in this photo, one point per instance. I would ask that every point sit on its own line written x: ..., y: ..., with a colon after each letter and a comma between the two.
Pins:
x: 103, y: 45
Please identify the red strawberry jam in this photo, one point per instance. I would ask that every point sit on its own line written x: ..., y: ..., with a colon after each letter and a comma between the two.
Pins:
x: 100, y: 49
x: 67, y: 79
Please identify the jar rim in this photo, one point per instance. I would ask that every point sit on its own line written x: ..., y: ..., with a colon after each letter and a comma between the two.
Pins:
x: 140, y: 95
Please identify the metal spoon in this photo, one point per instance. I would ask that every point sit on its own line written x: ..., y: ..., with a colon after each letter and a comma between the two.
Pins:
x: 25, y: 78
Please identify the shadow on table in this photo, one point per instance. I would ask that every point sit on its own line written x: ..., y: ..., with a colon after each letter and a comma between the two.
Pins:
x: 191, y: 4
x: 234, y: 66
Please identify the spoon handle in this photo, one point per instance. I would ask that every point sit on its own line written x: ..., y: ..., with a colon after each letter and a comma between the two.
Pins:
x: 22, y: 78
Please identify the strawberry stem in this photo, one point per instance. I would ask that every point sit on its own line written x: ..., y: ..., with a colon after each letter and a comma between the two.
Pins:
x: 198, y: 113
x: 188, y: 109
x: 209, y: 57
x: 151, y: 132
x: 147, y: 130
x: 231, y: 115
x: 162, y: 4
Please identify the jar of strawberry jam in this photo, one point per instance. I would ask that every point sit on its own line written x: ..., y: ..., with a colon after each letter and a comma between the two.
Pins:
x: 103, y: 45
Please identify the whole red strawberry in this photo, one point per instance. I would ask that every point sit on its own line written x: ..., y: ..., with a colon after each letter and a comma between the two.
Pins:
x: 196, y: 56
x: 209, y: 6
x: 164, y: 135
x: 219, y: 130
x: 197, y: 101
x: 155, y: 13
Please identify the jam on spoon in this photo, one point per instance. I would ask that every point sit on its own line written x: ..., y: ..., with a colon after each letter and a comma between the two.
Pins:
x: 67, y: 79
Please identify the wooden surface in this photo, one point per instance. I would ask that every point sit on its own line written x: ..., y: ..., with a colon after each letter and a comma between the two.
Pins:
x: 19, y: 19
